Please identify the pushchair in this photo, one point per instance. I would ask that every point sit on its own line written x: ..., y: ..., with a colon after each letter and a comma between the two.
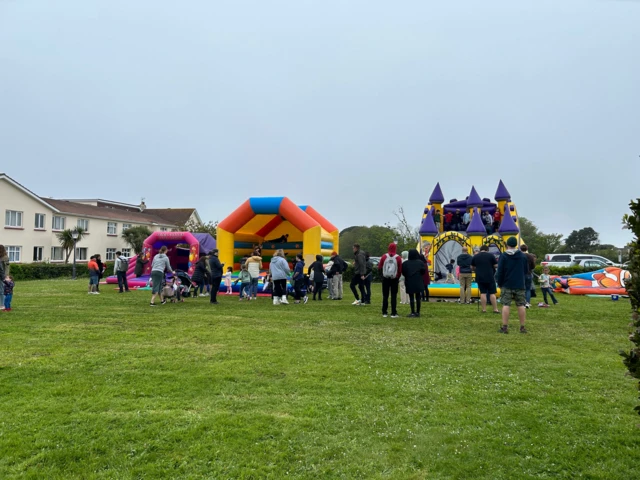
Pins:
x: 186, y: 288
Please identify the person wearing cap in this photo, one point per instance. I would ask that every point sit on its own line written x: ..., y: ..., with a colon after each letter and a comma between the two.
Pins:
x: 512, y: 268
x: 336, y: 271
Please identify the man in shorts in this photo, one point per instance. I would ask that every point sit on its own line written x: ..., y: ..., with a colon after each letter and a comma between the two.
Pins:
x: 94, y: 275
x: 512, y: 269
x: 484, y: 264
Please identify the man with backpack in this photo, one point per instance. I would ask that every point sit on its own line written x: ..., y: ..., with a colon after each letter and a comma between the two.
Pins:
x: 120, y: 268
x: 336, y: 271
x: 390, y: 267
x: 359, y: 272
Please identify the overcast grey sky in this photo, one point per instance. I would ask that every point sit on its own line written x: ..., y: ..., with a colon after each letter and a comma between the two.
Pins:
x: 354, y: 107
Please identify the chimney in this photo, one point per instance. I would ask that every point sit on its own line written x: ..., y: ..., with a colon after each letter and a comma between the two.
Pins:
x: 142, y: 205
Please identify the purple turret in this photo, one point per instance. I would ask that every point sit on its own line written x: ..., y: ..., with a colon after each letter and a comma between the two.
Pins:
x: 502, y: 193
x: 474, y: 200
x: 436, y: 196
x: 476, y: 227
x: 428, y: 226
x: 508, y: 226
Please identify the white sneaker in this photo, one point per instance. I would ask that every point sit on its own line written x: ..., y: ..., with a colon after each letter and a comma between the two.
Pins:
x: 276, y: 301
x: 384, y: 315
x: 356, y: 302
x: 306, y: 299
x: 202, y: 295
x: 527, y: 305
x: 96, y: 293
x: 284, y: 300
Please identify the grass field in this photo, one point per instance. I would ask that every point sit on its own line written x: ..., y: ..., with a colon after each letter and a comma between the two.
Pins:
x: 107, y: 387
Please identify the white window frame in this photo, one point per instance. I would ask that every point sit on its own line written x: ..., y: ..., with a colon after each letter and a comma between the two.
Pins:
x: 13, y: 219
x: 38, y: 254
x: 15, y: 253
x: 126, y: 252
x: 84, y: 222
x: 62, y: 219
x: 42, y: 225
x: 126, y: 226
x: 110, y: 254
x: 110, y: 226
x: 163, y: 229
x: 79, y: 254
x: 53, y: 254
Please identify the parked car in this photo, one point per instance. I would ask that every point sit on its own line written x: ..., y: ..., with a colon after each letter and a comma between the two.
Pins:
x: 592, y: 264
x: 573, y: 259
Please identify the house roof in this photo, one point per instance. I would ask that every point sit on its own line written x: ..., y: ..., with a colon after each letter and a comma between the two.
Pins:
x: 175, y: 216
x: 29, y: 193
x: 84, y: 210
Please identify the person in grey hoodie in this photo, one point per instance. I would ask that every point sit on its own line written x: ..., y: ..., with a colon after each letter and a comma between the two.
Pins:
x: 512, y: 268
x: 159, y: 266
x: 279, y: 269
x: 359, y: 273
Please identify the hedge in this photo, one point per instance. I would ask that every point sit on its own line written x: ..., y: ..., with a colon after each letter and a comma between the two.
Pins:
x: 44, y: 271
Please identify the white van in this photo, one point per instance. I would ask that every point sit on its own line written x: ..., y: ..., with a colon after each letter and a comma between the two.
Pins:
x: 573, y: 259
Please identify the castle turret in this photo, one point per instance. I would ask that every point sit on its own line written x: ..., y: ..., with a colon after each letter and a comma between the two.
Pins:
x: 474, y: 199
x: 502, y: 196
x: 436, y: 200
x: 508, y: 227
x: 476, y: 229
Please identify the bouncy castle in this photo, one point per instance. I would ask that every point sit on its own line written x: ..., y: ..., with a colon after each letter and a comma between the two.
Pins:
x: 275, y: 223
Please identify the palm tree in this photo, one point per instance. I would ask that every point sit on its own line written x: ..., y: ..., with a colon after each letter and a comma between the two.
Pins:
x: 135, y: 237
x: 67, y: 242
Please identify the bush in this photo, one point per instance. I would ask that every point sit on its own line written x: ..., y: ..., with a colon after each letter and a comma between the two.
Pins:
x: 43, y: 271
x: 565, y: 270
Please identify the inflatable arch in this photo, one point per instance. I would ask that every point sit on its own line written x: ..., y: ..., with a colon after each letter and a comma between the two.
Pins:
x: 275, y: 223
x: 182, y: 258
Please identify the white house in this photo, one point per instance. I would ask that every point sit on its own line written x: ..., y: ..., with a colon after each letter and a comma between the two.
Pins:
x: 31, y: 223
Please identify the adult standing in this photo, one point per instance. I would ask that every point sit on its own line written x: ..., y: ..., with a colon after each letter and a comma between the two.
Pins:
x: 141, y: 261
x: 456, y: 221
x: 528, y: 278
x: 368, y: 278
x: 512, y: 268
x: 485, y: 264
x: 4, y: 271
x: 413, y: 270
x: 101, y: 268
x: 464, y: 264
x: 254, y: 263
x: 337, y: 269
x: 390, y: 268
x: 466, y: 218
x: 120, y: 267
x: 216, y: 275
x: 159, y: 266
x: 279, y: 270
x: 317, y: 269
x: 199, y: 277
x: 359, y: 272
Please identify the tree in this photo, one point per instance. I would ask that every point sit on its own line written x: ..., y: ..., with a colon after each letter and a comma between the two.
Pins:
x: 374, y: 239
x: 65, y: 238
x: 196, y: 227
x: 585, y: 240
x: 539, y: 243
x: 135, y: 237
x: 407, y: 236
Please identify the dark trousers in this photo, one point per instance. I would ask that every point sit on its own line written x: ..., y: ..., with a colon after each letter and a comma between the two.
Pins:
x: 425, y: 293
x: 122, y: 281
x: 280, y: 287
x: 356, y: 280
x: 297, y: 289
x: 215, y: 286
x: 367, y: 288
x: 390, y: 286
x: 317, y: 288
x: 528, y: 280
x: 414, y: 300
x: 550, y: 292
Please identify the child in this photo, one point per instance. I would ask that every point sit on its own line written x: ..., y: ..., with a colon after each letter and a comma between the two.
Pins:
x: 245, y: 286
x: 316, y: 272
x: 174, y: 290
x: 227, y: 280
x: 449, y: 267
x: 545, y: 286
x: 8, y: 292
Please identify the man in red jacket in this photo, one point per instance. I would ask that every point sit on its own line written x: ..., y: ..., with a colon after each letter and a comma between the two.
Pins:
x: 390, y: 267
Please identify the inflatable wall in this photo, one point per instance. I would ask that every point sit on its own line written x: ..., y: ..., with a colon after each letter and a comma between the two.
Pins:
x: 607, y: 281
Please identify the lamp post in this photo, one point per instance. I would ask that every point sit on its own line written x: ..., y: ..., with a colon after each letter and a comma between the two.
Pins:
x: 74, y: 235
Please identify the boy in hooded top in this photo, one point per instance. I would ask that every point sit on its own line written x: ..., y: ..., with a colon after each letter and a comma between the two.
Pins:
x: 512, y: 268
x: 390, y: 285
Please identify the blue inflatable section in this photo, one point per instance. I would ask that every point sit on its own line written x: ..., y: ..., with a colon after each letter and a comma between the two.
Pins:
x: 266, y: 205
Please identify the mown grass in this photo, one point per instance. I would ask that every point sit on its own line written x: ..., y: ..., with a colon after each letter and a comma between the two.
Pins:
x: 107, y: 387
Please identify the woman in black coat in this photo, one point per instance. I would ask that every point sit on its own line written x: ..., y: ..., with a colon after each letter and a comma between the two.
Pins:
x: 413, y: 270
x: 200, y: 273
x: 318, y: 276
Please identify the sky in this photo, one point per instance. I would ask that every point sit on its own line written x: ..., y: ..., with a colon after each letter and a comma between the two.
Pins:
x: 356, y: 108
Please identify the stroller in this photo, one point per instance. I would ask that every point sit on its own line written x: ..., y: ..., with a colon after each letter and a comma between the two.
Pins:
x: 186, y: 288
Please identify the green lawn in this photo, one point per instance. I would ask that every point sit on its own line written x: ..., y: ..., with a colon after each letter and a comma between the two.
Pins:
x: 107, y: 387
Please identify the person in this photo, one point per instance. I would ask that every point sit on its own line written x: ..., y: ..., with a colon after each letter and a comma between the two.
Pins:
x: 456, y: 222
x: 404, y: 298
x: 449, y: 267
x: 159, y: 266
x: 448, y: 218
x: 487, y: 220
x: 327, y: 272
x: 227, y: 281
x: 141, y: 261
x: 528, y: 279
x: 484, y: 264
x: 199, y: 275
x: 254, y: 263
x: 279, y: 269
x: 466, y: 218
x: 390, y: 268
x: 368, y: 278
x: 92, y: 266
x: 426, y: 278
x: 7, y: 290
x: 464, y: 264
x: 413, y: 270
x: 436, y: 219
x: 4, y: 271
x: 316, y: 271
x: 298, y: 279
x: 282, y: 239
x: 173, y: 290
x: 512, y: 268
x: 243, y: 260
x: 337, y: 269
x: 359, y: 271
x: 497, y: 218
x: 101, y: 268
x: 120, y: 267
x: 545, y: 286
x: 216, y: 275
x: 244, y: 277
x: 257, y: 251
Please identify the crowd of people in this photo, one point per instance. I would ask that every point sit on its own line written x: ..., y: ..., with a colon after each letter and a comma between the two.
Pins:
x: 457, y: 221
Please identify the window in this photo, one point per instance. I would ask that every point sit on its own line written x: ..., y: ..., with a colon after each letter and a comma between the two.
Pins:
x: 126, y: 226
x: 111, y: 254
x: 560, y: 258
x: 40, y: 219
x: 58, y: 223
x: 14, y: 253
x: 83, y: 223
x: 37, y: 254
x: 163, y: 229
x: 13, y: 219
x: 57, y: 254
x: 112, y: 228
x: 126, y: 252
x: 81, y: 253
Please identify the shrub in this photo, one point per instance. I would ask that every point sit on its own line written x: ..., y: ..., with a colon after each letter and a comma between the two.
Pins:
x: 43, y: 271
x: 565, y: 270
